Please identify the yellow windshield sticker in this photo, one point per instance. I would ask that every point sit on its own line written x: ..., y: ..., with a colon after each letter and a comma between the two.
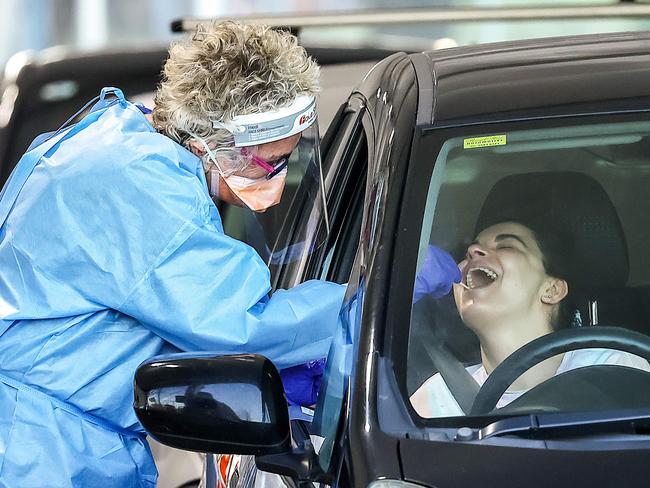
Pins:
x: 487, y: 141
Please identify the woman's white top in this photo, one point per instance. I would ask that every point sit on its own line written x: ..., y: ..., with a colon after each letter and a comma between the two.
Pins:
x: 433, y: 398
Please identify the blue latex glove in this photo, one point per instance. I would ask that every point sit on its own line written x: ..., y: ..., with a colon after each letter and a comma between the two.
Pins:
x: 302, y: 382
x: 439, y: 272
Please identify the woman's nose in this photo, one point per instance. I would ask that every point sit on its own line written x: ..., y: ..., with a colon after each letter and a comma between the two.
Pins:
x: 476, y: 250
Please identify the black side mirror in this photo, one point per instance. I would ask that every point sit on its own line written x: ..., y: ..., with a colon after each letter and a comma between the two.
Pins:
x: 219, y: 404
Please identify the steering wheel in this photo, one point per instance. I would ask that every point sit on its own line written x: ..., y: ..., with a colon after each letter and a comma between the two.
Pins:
x: 559, y: 342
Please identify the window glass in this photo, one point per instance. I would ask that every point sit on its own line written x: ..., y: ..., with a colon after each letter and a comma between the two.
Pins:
x: 548, y: 229
x: 338, y: 265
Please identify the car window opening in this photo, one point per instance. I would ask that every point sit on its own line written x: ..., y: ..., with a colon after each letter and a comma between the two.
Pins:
x: 556, y: 221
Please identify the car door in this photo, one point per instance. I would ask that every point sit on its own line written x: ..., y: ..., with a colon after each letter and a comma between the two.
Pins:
x: 346, y: 163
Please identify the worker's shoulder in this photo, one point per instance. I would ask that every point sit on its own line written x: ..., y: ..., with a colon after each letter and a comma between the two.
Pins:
x: 122, y: 148
x: 120, y: 158
x: 126, y: 137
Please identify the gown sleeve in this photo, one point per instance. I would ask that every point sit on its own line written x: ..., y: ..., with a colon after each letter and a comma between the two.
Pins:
x: 209, y: 292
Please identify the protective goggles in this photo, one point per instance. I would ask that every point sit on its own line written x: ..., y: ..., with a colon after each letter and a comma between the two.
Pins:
x: 271, y: 167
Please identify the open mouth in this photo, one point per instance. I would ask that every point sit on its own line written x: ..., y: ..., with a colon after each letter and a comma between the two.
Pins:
x: 480, y: 277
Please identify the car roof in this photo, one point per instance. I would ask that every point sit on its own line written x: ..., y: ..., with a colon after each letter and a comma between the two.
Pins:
x: 561, y: 75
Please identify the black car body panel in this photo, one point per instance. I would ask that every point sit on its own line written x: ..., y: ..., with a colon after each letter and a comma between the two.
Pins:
x: 561, y: 76
x: 487, y: 86
x: 454, y: 465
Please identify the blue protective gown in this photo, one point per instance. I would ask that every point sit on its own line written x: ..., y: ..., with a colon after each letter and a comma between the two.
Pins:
x: 112, y: 253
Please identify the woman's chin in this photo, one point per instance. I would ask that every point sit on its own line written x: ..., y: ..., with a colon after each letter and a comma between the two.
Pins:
x: 479, y: 316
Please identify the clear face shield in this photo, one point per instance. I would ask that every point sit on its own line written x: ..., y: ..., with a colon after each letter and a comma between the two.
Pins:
x: 275, y: 172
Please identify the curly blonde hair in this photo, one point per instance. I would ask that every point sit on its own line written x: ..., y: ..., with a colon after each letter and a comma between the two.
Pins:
x: 229, y: 69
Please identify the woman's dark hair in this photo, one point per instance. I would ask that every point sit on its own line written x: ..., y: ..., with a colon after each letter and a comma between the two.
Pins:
x: 577, y: 227
x: 557, y: 251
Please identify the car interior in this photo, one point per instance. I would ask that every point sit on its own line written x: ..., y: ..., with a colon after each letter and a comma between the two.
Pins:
x: 590, y: 179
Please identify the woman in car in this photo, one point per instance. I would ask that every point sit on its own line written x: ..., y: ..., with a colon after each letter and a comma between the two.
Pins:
x: 515, y: 287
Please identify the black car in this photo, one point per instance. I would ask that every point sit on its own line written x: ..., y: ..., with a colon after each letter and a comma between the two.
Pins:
x: 425, y: 149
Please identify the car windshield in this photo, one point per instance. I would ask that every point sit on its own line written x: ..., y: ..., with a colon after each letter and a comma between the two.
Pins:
x: 549, y: 230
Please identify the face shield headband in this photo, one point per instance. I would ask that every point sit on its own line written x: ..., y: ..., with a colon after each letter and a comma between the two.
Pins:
x: 260, y: 128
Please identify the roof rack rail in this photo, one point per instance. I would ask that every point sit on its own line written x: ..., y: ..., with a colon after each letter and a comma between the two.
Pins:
x: 624, y: 9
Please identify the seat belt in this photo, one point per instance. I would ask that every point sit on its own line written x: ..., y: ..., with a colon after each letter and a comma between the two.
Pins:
x: 461, y: 384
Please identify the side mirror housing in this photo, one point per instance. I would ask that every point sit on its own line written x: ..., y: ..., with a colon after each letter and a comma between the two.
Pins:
x: 219, y: 404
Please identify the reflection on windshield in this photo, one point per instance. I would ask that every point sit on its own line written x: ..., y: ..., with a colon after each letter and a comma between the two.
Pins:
x: 548, y: 236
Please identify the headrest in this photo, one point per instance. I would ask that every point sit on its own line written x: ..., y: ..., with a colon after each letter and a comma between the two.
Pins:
x: 574, y: 205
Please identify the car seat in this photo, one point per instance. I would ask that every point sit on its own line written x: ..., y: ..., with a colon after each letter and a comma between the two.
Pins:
x: 577, y: 205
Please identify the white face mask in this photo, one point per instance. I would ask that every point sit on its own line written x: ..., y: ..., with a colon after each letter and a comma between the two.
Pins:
x: 257, y: 194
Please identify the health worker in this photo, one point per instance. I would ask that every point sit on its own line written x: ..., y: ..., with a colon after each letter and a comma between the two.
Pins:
x: 112, y: 251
